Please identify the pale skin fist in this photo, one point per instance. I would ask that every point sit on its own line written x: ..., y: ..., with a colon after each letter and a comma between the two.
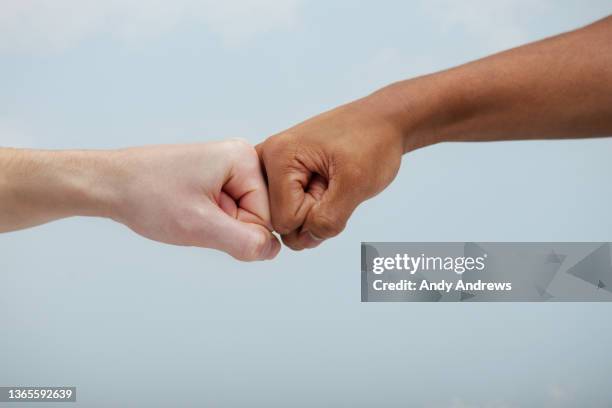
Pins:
x: 320, y: 170
x: 209, y: 195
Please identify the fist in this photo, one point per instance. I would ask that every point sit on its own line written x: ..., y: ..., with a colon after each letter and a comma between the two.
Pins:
x: 208, y: 195
x: 320, y: 170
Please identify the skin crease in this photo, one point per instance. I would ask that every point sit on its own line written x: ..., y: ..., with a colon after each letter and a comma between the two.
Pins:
x: 209, y: 195
x: 319, y: 171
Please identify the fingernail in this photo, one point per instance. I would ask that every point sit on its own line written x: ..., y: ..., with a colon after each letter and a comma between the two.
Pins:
x: 313, y: 236
x: 273, y: 251
x: 265, y: 254
x: 309, y: 240
x: 270, y: 251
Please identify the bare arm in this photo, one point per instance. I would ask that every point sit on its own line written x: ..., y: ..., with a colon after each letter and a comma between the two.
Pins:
x: 320, y: 170
x: 38, y: 186
x: 209, y: 194
x: 560, y: 87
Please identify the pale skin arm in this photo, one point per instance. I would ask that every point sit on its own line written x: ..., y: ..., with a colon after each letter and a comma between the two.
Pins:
x: 320, y: 170
x: 209, y: 195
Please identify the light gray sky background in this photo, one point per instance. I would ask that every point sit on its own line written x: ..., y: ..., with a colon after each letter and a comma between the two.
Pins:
x: 131, y: 322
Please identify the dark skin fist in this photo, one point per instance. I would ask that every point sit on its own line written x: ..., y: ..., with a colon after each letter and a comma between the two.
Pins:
x: 320, y: 170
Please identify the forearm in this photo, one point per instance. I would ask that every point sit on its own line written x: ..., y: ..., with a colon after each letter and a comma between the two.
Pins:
x: 560, y: 87
x: 38, y: 186
x: 209, y: 195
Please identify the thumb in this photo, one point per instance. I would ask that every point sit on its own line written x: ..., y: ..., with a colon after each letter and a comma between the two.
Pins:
x: 328, y: 216
x: 287, y: 180
x: 244, y: 241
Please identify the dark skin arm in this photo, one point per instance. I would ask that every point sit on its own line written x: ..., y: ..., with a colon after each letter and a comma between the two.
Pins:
x: 320, y: 170
x: 560, y: 87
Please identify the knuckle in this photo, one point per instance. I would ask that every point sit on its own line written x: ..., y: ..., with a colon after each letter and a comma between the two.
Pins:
x: 239, y: 142
x: 292, y: 242
x: 240, y: 148
x: 254, y: 248
x: 284, y: 220
x: 325, y: 225
x: 276, y: 144
x: 283, y: 225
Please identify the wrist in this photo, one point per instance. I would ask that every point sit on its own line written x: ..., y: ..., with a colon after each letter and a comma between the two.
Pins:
x: 66, y: 183
x: 423, y: 109
x: 93, y: 182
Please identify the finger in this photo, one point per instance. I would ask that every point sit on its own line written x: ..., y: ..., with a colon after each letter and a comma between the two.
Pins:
x: 228, y: 205
x: 287, y: 179
x: 258, y: 149
x: 247, y: 187
x: 244, y: 241
x: 297, y: 240
x: 328, y: 217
